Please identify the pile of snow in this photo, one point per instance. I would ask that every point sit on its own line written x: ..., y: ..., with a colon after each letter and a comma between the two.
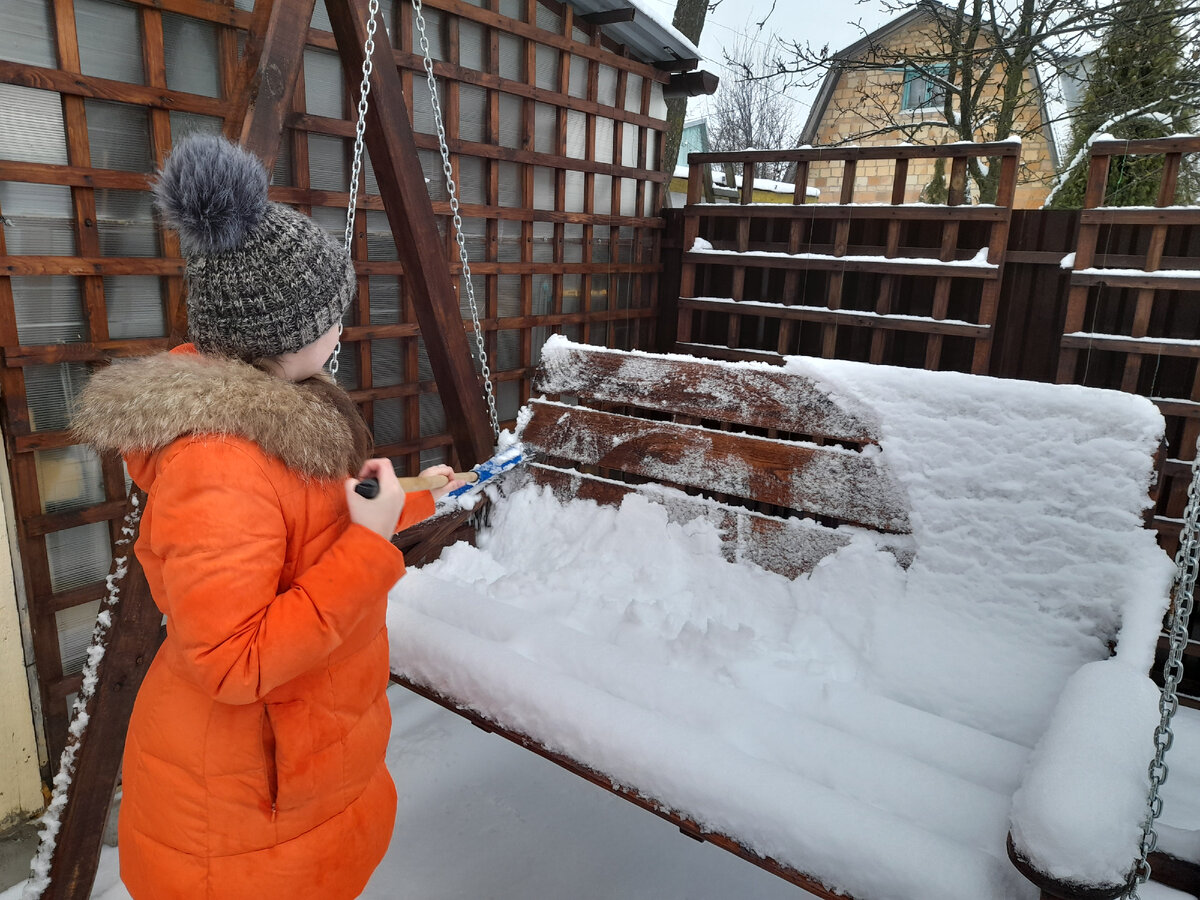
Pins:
x: 858, y: 723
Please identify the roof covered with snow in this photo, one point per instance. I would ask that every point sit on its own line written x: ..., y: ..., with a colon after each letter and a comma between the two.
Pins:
x: 649, y: 35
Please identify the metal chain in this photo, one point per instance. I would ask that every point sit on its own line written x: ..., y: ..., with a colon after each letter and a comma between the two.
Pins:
x: 360, y: 129
x: 1187, y: 566
x: 451, y: 189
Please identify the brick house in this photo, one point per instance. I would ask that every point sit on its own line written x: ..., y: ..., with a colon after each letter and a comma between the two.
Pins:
x: 855, y: 102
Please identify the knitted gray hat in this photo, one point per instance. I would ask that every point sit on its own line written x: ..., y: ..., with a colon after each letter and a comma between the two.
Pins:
x: 262, y: 278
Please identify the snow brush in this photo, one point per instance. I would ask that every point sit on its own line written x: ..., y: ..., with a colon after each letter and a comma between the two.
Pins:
x: 481, y: 474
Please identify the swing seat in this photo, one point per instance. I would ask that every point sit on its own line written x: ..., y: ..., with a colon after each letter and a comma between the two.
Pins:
x: 947, y: 560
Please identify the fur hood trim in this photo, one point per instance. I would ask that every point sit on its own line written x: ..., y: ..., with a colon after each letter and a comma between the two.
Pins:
x: 143, y: 405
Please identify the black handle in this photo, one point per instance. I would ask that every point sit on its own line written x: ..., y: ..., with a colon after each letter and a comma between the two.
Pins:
x: 368, y: 487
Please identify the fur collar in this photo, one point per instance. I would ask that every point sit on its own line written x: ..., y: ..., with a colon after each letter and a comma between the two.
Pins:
x: 143, y: 405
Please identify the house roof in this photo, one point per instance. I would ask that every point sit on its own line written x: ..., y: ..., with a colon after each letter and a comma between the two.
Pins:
x: 921, y: 9
x: 647, y: 34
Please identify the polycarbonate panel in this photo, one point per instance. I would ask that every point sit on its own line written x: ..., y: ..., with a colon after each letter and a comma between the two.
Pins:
x: 472, y: 179
x: 548, y: 19
x: 509, y: 295
x: 604, y: 140
x: 508, y: 350
x: 190, y: 47
x: 332, y: 219
x: 511, y: 57
x: 543, y: 242
x: 27, y: 33
x: 49, y: 309
x: 543, y: 188
x: 435, y: 178
x: 545, y: 128
x: 323, y: 92
x: 185, y: 123
x: 68, y: 478
x: 511, y: 121
x: 380, y: 243
x: 573, y: 185
x: 51, y: 392
x: 472, y: 39
x: 633, y: 93
x: 510, y: 241
x: 508, y: 400
x: 433, y: 417
x: 119, y: 135
x: 125, y: 222
x: 433, y: 31
x: 110, y: 40
x: 423, y: 120
x: 576, y: 134
x: 282, y: 173
x: 546, y: 66
x: 434, y: 456
x: 135, y: 306
x: 599, y: 298
x: 38, y: 220
x: 347, y: 375
x: 602, y: 204
x: 543, y: 295
x: 75, y: 627
x: 389, y: 420
x: 606, y: 88
x: 630, y: 144
x: 31, y: 125
x: 78, y: 556
x: 387, y: 363
x: 658, y: 105
x: 572, y: 285
x: 385, y: 299
x: 472, y: 113
x: 573, y: 243
x: 577, y: 83
x: 628, y: 197
x: 328, y: 167
x: 510, y: 185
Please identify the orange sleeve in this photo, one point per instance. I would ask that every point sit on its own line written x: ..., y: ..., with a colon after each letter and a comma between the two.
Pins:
x: 219, y: 530
x: 418, y: 506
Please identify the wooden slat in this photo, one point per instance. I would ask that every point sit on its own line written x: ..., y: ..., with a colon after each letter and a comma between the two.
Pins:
x: 1163, y: 347
x: 788, y: 547
x: 90, y: 265
x: 744, y: 396
x: 1138, y: 280
x: 832, y: 264
x: 731, y: 354
x: 1115, y: 215
x: 890, y: 151
x: 1143, y: 147
x: 920, y: 324
x: 798, y: 476
x: 840, y: 211
x: 687, y: 826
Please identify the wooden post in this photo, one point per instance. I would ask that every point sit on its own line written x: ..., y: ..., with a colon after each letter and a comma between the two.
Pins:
x: 410, y: 214
x: 135, y: 633
x: 267, y: 88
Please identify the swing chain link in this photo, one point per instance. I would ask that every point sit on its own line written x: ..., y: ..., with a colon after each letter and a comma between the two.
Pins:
x: 1187, y: 566
x: 447, y: 169
x: 360, y: 130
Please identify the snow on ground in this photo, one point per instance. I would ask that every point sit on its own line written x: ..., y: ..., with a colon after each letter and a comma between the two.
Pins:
x: 857, y: 723
x: 482, y: 819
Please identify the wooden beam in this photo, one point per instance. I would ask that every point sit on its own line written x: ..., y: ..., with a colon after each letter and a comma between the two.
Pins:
x: 610, y: 16
x: 266, y: 90
x: 410, y: 214
x: 132, y: 640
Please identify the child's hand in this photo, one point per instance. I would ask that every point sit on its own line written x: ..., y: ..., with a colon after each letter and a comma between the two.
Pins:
x: 383, y: 512
x: 452, y: 485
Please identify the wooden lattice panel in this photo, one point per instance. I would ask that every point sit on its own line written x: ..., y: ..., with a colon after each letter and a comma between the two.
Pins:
x: 789, y: 265
x: 554, y: 134
x: 1129, y: 323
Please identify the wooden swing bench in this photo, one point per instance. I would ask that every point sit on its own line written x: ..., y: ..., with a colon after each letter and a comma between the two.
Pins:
x: 776, y: 462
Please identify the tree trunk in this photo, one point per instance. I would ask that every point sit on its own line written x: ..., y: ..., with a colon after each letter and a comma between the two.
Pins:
x: 689, y: 19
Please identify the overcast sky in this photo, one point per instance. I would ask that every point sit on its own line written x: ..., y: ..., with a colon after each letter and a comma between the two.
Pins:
x: 814, y: 21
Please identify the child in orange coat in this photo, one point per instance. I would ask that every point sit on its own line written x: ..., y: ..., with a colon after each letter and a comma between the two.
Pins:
x: 254, y: 766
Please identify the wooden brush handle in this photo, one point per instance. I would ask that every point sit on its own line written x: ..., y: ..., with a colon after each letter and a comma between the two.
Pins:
x: 369, y: 487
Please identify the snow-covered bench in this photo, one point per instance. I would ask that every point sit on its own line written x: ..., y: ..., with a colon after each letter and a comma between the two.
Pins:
x: 856, y: 699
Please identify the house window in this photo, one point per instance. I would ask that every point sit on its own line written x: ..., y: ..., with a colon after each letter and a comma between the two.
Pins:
x: 921, y: 91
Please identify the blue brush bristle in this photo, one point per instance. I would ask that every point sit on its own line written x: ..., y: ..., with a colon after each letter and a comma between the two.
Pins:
x: 489, y: 469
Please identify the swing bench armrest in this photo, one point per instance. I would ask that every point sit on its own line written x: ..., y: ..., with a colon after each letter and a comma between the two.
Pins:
x: 1074, y: 826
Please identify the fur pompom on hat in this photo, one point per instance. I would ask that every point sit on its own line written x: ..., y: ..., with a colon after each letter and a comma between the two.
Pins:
x: 262, y: 278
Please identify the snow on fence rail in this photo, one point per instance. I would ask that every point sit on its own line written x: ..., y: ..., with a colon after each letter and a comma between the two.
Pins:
x: 769, y: 252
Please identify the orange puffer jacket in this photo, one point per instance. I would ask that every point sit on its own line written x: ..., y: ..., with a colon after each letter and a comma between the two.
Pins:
x: 254, y: 766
